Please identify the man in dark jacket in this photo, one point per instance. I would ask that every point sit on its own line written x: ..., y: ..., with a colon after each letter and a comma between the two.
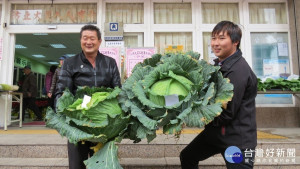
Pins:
x: 233, y: 133
x: 29, y: 90
x: 88, y: 68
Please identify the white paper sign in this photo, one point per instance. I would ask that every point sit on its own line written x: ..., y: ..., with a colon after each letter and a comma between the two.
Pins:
x: 283, y: 49
x: 274, y: 67
x: 170, y: 100
x: 86, y: 100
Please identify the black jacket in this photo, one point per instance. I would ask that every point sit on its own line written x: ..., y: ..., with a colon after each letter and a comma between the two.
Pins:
x: 78, y: 71
x: 236, y: 126
x: 29, y: 86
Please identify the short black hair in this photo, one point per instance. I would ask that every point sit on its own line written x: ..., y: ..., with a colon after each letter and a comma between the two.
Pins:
x: 27, y: 67
x: 91, y: 28
x: 232, y: 29
x: 52, y: 68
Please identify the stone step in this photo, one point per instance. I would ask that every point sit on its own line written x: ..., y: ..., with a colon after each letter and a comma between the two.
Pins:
x: 137, y: 163
x: 44, y: 149
x: 39, y: 145
x: 126, y: 150
x: 34, y: 163
x: 279, y: 117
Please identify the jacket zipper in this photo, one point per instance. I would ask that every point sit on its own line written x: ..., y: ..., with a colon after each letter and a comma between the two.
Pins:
x: 95, y: 77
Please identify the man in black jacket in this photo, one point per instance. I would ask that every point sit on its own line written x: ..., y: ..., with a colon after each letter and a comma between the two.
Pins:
x: 29, y: 90
x: 88, y: 68
x: 233, y: 133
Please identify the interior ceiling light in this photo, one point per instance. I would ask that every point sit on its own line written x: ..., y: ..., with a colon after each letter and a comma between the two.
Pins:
x: 39, y: 56
x: 58, y: 45
x: 53, y: 63
x: 70, y: 55
x: 40, y: 33
x: 18, y: 46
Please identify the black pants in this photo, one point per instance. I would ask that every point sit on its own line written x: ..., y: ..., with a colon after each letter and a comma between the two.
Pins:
x: 200, y: 149
x: 78, y: 153
x: 30, y: 103
x: 51, y: 102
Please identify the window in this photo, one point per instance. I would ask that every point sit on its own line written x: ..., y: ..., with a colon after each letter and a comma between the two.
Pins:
x: 208, y: 55
x: 270, y: 54
x: 164, y: 40
x: 172, y: 13
x: 128, y: 13
x: 267, y: 13
x: 133, y: 40
x: 212, y: 13
x: 216, y: 12
x: 270, y: 50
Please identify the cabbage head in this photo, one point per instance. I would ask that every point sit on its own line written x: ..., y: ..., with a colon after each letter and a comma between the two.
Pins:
x: 100, y: 121
x: 167, y: 87
x: 6, y: 87
x: 172, y: 91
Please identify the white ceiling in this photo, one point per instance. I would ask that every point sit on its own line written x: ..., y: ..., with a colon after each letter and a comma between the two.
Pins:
x: 40, y: 44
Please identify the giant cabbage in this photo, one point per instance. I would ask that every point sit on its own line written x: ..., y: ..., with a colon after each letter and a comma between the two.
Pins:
x: 172, y: 91
x: 169, y: 91
x: 101, y: 121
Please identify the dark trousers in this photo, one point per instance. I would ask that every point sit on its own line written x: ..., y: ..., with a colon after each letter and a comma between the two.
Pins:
x: 51, y: 102
x: 200, y: 149
x: 78, y: 153
x: 29, y: 102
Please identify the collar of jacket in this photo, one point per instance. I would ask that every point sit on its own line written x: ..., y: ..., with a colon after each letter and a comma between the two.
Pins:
x: 231, y: 60
x: 84, y: 59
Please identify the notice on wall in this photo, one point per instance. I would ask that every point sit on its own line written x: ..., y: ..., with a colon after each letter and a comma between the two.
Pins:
x: 137, y: 55
x: 275, y: 67
x: 116, y: 44
x: 283, y: 49
x: 112, y: 52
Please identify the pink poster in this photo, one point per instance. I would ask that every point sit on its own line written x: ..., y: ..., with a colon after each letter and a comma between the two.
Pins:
x: 112, y: 52
x: 136, y: 55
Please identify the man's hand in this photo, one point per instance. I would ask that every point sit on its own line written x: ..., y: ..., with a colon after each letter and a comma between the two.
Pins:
x: 49, y: 95
x: 28, y: 94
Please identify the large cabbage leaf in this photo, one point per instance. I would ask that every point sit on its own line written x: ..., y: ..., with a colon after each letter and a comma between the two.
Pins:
x: 110, y: 153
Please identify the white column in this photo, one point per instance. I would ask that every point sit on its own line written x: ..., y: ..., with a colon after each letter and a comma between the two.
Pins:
x: 7, y: 62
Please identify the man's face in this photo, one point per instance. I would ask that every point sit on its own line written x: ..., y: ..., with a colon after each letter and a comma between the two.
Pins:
x: 26, y: 71
x: 90, y: 42
x: 222, y: 45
